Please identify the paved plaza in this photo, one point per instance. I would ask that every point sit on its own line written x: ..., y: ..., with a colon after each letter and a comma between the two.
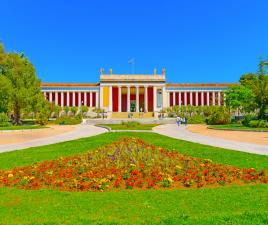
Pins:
x: 41, y: 137
x: 172, y: 130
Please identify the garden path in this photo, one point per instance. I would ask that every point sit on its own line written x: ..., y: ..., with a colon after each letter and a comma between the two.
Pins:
x: 172, y: 130
x: 79, y: 131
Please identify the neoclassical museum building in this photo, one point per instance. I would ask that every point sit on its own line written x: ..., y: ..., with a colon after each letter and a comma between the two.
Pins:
x: 134, y: 93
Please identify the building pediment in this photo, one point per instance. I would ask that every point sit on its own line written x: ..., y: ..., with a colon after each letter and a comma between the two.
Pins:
x: 132, y: 78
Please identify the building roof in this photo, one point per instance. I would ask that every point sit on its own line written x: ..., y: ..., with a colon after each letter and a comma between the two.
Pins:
x: 200, y: 84
x: 69, y: 84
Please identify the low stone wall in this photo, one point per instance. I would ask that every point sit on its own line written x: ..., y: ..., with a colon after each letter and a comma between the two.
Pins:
x: 119, y: 121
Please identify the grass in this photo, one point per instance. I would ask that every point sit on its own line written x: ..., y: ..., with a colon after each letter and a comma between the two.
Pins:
x: 22, y: 127
x: 225, y: 205
x: 126, y: 127
x: 237, y: 127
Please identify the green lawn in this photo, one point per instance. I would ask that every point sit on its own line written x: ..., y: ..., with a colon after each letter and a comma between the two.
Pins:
x: 236, y: 127
x: 22, y: 127
x: 125, y: 127
x: 224, y: 205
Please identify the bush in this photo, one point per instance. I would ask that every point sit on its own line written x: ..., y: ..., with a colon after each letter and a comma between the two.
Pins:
x: 196, y: 119
x: 258, y: 124
x: 4, y: 120
x: 42, y: 118
x: 219, y: 116
x: 68, y: 120
x: 131, y: 123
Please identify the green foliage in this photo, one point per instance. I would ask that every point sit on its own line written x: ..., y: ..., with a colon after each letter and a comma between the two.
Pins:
x: 74, y: 109
x: 247, y: 119
x: 258, y: 124
x: 4, y: 120
x: 56, y: 109
x: 66, y: 109
x: 196, y: 119
x: 219, y: 116
x: 130, y: 124
x: 42, y: 117
x: 84, y: 109
x: 239, y: 98
x: 258, y: 84
x: 64, y: 120
x: 21, y: 86
x: 5, y: 89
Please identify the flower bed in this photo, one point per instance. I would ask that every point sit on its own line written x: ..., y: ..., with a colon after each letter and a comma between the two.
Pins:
x: 127, y: 164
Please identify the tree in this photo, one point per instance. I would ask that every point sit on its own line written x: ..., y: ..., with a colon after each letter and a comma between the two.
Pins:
x: 239, y: 98
x: 25, y: 87
x: 258, y: 84
x: 5, y: 89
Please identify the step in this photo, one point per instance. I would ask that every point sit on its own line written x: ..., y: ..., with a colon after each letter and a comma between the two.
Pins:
x: 124, y: 115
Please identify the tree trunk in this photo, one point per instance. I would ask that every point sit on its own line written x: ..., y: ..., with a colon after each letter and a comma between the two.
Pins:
x: 16, y: 119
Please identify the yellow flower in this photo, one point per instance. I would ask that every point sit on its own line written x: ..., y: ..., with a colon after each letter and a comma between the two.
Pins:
x: 178, y: 167
x: 170, y: 179
x: 10, y: 175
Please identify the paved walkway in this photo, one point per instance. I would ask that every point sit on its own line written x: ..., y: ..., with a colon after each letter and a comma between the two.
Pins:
x: 172, y: 130
x: 80, y: 131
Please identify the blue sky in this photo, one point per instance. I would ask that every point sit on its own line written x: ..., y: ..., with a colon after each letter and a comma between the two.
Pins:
x: 196, y: 41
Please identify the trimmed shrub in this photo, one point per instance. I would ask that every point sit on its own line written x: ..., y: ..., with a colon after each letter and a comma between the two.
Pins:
x: 258, y: 124
x: 219, y: 116
x: 64, y: 120
x: 42, y: 118
x: 197, y: 119
x: 131, y: 123
x: 4, y: 120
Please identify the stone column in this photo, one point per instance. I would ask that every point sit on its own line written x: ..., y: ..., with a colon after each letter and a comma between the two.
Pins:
x: 185, y: 98
x: 119, y: 99
x: 73, y: 99
x: 97, y: 99
x: 168, y: 99
x: 191, y: 98
x: 145, y: 98
x: 196, y: 98
x: 164, y: 98
x: 90, y: 99
x: 155, y: 98
x: 50, y: 97
x: 219, y: 98
x: 202, y: 98
x: 101, y: 97
x: 128, y: 98
x: 208, y: 98
x: 110, y: 98
x: 174, y: 98
x: 56, y: 98
x: 179, y: 98
x: 137, y: 99
x: 213, y: 98
x: 68, y: 98
x: 62, y: 99
x: 85, y: 98
x: 79, y: 99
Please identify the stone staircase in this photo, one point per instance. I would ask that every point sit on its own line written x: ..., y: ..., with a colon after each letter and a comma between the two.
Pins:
x: 124, y: 115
